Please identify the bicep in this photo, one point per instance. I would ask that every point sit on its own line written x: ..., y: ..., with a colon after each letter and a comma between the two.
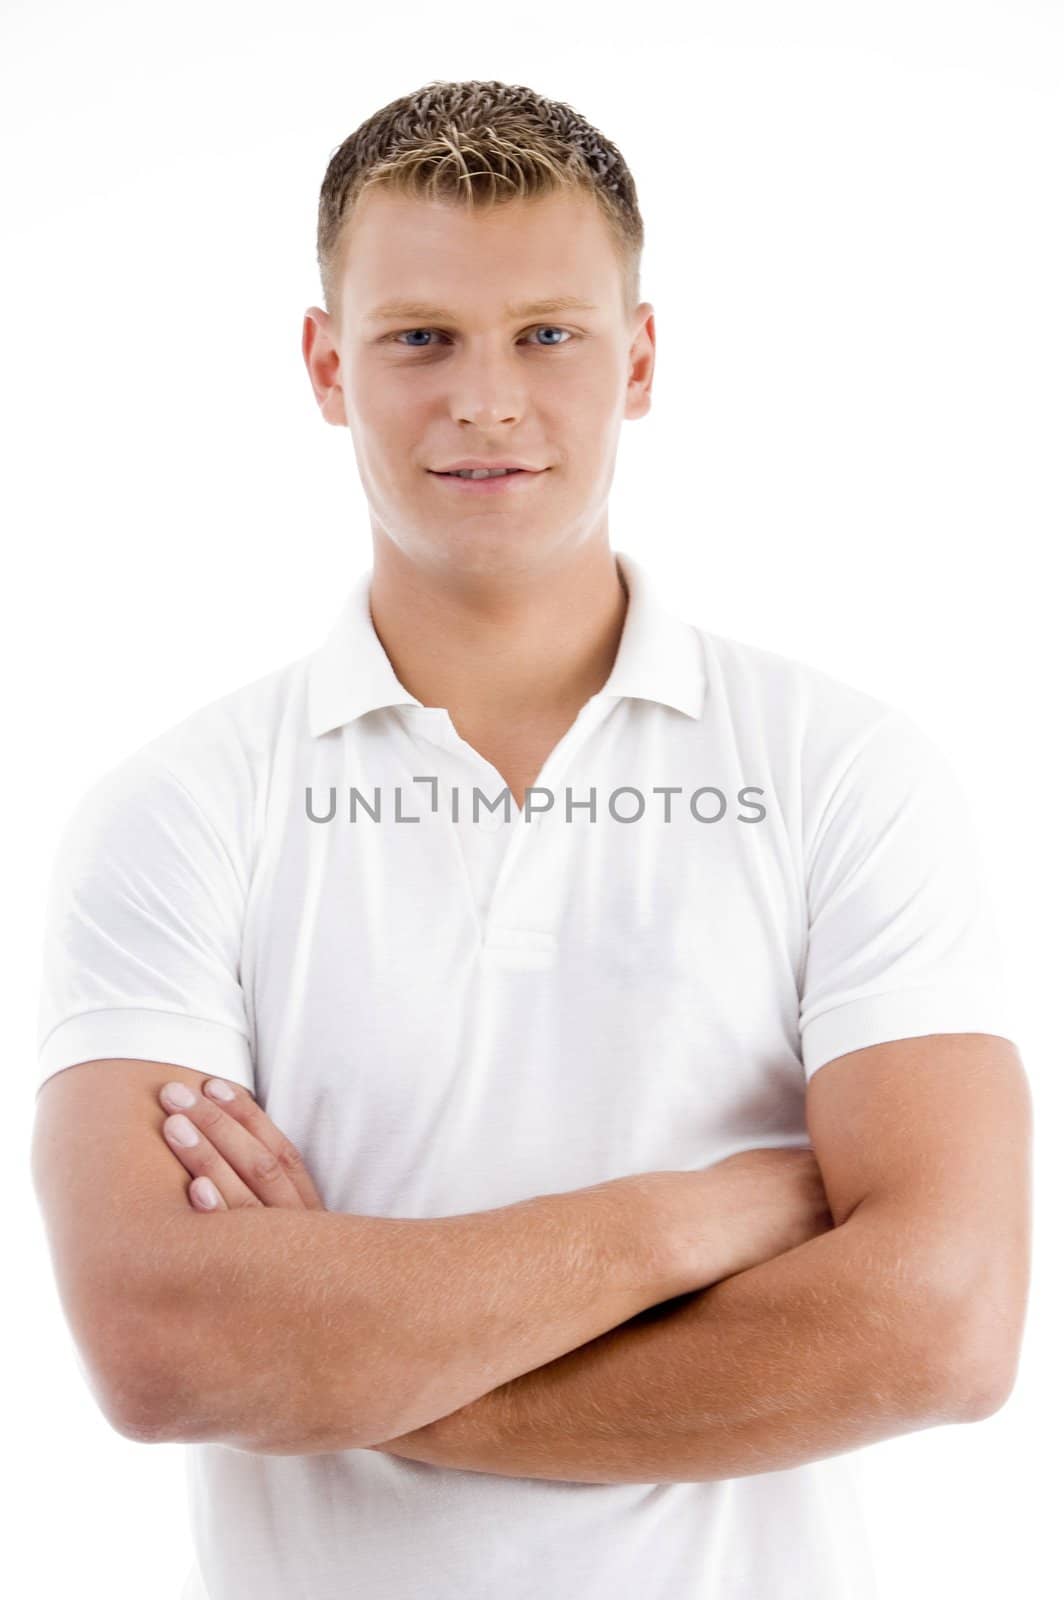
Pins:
x: 111, y: 1194
x: 933, y: 1134
x: 141, y: 984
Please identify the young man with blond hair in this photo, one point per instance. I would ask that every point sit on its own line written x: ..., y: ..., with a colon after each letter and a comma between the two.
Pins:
x: 546, y: 1061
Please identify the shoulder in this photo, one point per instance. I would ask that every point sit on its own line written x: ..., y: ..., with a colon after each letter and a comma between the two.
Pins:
x: 810, y: 709
x: 784, y: 689
x: 834, y: 755
x: 213, y: 764
x: 244, y: 725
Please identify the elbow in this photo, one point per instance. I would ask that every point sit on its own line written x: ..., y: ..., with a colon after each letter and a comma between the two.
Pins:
x: 121, y: 1358
x: 144, y: 1407
x: 153, y: 1410
x: 146, y: 1390
x: 166, y: 1392
x: 975, y: 1375
x: 987, y: 1400
x: 991, y: 1380
x: 142, y: 1424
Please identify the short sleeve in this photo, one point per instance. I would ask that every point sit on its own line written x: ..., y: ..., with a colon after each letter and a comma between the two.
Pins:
x: 902, y: 940
x: 143, y: 929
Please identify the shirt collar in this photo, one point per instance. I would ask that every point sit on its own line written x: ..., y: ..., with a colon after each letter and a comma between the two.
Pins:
x: 659, y: 658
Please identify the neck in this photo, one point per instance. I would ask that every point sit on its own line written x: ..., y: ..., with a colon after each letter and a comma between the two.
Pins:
x: 495, y: 648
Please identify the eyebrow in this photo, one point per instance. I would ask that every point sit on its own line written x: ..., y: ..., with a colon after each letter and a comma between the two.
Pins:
x: 419, y: 311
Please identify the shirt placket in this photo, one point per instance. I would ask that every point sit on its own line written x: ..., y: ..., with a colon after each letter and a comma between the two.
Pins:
x: 511, y: 893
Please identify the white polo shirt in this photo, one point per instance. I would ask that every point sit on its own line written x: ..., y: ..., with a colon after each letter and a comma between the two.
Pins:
x: 449, y: 1014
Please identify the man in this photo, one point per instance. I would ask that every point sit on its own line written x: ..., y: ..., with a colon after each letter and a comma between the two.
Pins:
x: 506, y: 1269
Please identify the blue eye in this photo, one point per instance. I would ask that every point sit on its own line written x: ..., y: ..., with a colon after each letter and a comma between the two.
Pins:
x: 546, y: 326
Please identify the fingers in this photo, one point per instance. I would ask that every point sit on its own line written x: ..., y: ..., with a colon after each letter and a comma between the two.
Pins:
x: 244, y: 1109
x: 183, y: 1132
x: 233, y: 1144
x: 204, y: 1196
x: 210, y: 1144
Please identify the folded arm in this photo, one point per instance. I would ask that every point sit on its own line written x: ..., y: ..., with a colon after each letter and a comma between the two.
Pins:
x: 297, y: 1331
x: 815, y: 1352
x: 907, y: 1314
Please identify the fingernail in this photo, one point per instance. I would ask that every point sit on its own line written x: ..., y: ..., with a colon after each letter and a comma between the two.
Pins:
x: 180, y: 1130
x: 217, y: 1090
x: 206, y: 1193
x: 176, y: 1094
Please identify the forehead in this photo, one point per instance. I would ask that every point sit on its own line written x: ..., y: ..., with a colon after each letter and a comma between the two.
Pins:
x: 429, y: 256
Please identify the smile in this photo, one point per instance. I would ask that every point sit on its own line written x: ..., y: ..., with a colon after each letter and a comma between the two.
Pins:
x: 493, y: 483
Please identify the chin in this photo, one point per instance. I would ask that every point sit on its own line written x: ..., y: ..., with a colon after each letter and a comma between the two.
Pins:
x: 486, y: 551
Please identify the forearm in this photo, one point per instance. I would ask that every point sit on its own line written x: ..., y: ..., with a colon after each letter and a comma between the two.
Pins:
x: 831, y: 1346
x: 304, y: 1331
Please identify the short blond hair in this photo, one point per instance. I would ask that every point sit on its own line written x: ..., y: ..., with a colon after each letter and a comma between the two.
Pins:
x: 483, y: 143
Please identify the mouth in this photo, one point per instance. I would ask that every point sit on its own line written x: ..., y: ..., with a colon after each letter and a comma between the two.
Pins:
x: 493, y: 483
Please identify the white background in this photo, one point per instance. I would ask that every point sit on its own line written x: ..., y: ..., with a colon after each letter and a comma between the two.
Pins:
x: 855, y: 256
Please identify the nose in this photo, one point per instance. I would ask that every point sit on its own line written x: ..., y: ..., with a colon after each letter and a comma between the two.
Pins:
x: 485, y: 391
x: 484, y: 412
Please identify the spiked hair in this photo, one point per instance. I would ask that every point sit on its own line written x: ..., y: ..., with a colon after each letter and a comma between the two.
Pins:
x: 481, y: 143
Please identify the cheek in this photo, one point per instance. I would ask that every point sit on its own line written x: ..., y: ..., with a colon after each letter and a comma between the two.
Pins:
x: 376, y: 394
x: 386, y: 428
x: 586, y: 397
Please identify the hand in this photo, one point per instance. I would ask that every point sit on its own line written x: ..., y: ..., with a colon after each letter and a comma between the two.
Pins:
x: 238, y: 1155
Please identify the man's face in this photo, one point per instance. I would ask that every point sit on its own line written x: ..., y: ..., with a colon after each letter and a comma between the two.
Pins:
x: 419, y: 391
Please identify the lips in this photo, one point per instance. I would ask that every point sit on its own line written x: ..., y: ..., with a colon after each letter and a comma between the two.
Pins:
x: 453, y: 472
x: 464, y: 473
x: 493, y: 485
